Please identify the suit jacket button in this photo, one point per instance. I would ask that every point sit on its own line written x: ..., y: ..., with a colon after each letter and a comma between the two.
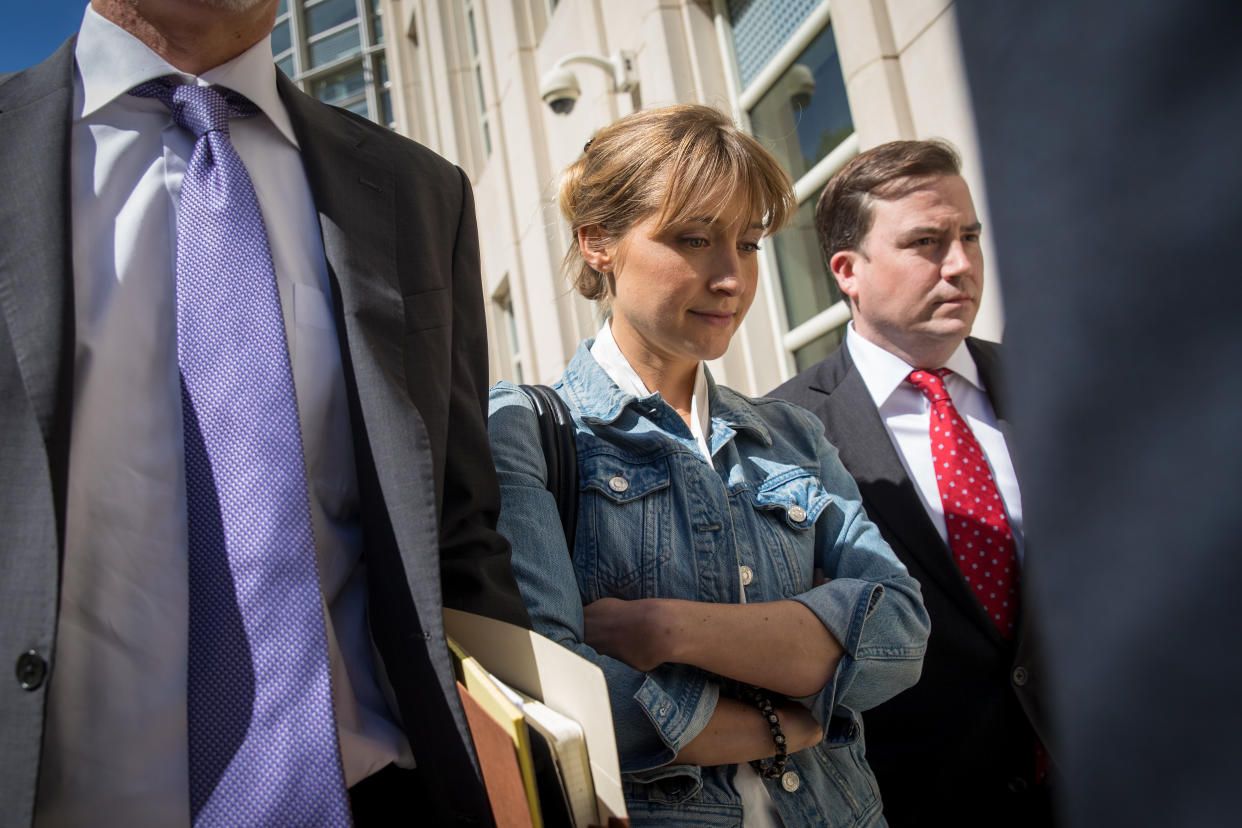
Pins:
x: 618, y: 484
x: 797, y: 514
x: 790, y: 781
x: 1020, y: 675
x: 31, y: 670
x: 1017, y: 785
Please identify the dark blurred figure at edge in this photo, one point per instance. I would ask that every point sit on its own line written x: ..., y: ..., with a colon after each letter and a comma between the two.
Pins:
x: 1109, y: 135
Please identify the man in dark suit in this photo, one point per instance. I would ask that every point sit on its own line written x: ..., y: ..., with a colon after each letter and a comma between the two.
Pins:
x: 374, y: 253
x: 913, y: 404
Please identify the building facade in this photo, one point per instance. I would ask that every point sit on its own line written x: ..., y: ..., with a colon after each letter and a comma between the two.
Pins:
x: 814, y: 81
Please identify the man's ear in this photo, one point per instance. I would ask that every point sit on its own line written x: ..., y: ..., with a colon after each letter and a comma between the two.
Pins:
x: 844, y: 264
x: 593, y: 243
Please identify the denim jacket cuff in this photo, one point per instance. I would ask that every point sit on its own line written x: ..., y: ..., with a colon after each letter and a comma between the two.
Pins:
x: 679, y: 705
x: 843, y: 606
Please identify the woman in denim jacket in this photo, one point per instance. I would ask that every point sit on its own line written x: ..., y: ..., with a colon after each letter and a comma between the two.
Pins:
x: 723, y: 565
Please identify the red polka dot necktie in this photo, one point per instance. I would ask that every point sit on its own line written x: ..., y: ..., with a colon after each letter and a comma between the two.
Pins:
x: 974, y: 514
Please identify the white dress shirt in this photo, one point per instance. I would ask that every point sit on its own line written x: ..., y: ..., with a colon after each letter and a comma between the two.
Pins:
x: 115, y: 740
x: 757, y: 808
x: 907, y: 416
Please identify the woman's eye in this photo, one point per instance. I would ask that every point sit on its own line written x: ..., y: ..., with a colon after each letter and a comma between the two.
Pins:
x: 695, y: 243
x: 749, y: 247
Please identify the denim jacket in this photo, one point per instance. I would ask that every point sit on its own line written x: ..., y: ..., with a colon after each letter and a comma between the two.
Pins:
x: 655, y: 520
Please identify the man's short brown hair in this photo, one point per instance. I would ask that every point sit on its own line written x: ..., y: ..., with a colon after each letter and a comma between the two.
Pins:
x: 843, y: 214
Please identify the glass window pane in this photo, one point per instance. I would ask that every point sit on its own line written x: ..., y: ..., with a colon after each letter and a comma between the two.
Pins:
x: 358, y: 107
x: 381, y: 68
x: 806, y: 284
x: 285, y: 64
x: 474, y: 40
x: 282, y: 7
x: 340, y: 85
x: 377, y: 21
x: 335, y: 46
x: 478, y: 87
x: 323, y: 16
x: 280, y: 38
x: 805, y: 114
x: 817, y: 349
x: 385, y: 100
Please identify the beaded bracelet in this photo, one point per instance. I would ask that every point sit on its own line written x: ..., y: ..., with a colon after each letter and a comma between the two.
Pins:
x: 776, y: 766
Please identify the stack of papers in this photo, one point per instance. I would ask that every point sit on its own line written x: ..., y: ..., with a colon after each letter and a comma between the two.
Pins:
x: 544, y: 726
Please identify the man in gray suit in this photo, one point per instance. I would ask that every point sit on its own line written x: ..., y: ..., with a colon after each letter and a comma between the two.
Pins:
x: 914, y: 405
x: 374, y: 254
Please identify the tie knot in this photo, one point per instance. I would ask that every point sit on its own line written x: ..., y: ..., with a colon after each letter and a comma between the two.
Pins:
x: 931, y: 383
x: 199, y: 109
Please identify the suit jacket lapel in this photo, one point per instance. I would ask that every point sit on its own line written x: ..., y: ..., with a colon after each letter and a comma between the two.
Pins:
x: 355, y: 195
x: 891, y: 499
x: 36, y: 275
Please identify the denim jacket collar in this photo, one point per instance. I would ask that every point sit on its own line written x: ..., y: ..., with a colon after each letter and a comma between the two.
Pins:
x: 592, y: 392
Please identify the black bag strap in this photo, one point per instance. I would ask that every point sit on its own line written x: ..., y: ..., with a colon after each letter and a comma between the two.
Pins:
x: 560, y: 453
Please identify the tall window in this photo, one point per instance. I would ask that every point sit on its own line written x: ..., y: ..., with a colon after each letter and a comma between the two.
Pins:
x: 334, y: 50
x: 476, y: 72
x: 507, y: 342
x: 793, y: 97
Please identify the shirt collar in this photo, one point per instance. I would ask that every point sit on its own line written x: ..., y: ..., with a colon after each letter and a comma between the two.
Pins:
x: 592, y: 391
x: 608, y: 354
x: 111, y: 61
x: 883, y: 372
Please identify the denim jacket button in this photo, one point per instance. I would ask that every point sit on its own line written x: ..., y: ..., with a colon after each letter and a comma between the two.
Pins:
x: 618, y: 484
x: 790, y: 781
x: 747, y: 574
x: 797, y: 514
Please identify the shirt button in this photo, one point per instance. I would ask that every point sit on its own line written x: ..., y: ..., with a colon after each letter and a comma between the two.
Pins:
x: 618, y: 484
x: 797, y: 514
x: 747, y: 574
x: 31, y: 670
x: 790, y: 781
x: 1020, y: 675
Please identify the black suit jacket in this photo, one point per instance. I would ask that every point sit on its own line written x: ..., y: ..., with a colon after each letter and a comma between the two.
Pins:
x: 400, y: 241
x: 958, y: 746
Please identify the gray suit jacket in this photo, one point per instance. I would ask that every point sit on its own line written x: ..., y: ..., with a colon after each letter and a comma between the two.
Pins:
x: 960, y: 741
x: 400, y: 241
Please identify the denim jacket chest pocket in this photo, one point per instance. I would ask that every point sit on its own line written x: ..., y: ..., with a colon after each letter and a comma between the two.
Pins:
x: 624, y: 532
x: 786, y: 506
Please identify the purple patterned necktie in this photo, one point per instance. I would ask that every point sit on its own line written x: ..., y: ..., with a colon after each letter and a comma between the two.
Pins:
x: 262, y: 735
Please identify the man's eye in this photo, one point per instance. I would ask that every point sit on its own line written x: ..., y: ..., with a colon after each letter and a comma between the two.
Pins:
x: 926, y: 241
x: 973, y: 238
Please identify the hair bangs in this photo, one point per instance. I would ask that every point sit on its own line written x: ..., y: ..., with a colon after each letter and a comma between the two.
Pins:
x: 720, y: 176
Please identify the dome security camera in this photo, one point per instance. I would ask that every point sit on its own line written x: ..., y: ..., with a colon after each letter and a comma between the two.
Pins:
x: 559, y: 90
x: 559, y: 87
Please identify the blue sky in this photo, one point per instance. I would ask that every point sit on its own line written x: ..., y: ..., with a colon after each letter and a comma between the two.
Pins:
x: 33, y: 29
